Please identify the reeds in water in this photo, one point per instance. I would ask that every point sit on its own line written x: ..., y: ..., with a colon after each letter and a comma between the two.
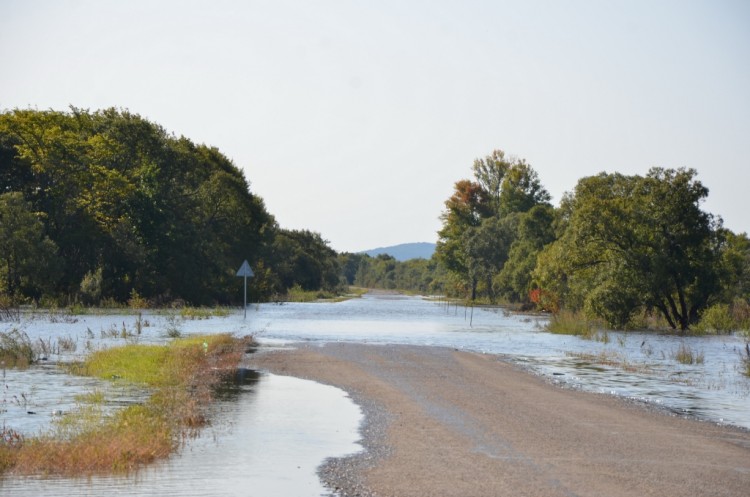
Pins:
x: 181, y: 375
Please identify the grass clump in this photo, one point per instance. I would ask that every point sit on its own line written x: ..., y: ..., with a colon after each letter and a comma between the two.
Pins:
x: 746, y: 359
x: 298, y: 294
x: 570, y: 323
x: 685, y: 355
x: 204, y: 312
x: 9, y: 310
x: 181, y: 377
x: 15, y: 349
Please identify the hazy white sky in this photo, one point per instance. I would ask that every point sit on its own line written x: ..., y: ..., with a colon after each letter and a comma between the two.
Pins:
x: 355, y: 118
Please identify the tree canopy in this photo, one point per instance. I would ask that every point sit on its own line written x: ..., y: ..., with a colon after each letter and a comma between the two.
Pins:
x: 481, y: 225
x: 633, y: 242
x: 121, y: 203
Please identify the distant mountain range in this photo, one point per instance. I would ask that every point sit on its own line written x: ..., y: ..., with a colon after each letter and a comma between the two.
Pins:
x: 405, y: 251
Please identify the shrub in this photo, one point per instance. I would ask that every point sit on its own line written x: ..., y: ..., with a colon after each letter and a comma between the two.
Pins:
x: 91, y: 287
x: 740, y: 310
x: 9, y: 310
x: 716, y: 319
x: 136, y: 301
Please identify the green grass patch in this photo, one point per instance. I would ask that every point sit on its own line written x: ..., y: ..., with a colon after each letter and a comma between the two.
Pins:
x: 181, y: 377
x: 298, y: 294
x: 204, y: 312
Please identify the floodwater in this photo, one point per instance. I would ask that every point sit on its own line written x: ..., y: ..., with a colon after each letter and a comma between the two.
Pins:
x: 636, y: 365
x: 268, y: 437
x: 271, y: 434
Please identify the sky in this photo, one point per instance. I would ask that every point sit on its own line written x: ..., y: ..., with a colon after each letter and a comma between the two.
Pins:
x: 354, y: 119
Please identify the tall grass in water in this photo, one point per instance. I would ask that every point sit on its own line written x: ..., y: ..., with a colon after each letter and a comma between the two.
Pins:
x: 685, y: 355
x: 298, y: 294
x: 9, y: 310
x: 181, y: 376
x: 16, y: 349
x: 193, y: 313
x: 570, y: 323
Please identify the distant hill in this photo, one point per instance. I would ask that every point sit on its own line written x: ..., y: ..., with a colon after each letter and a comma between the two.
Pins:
x: 405, y: 251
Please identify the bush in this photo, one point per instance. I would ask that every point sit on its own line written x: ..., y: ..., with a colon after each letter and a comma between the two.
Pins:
x: 717, y: 319
x: 740, y: 310
x: 9, y: 310
x: 91, y: 287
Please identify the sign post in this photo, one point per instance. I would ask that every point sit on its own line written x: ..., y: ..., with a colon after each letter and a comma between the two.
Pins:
x: 245, y: 272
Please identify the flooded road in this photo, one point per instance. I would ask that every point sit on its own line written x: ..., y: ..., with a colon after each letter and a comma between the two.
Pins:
x: 270, y: 435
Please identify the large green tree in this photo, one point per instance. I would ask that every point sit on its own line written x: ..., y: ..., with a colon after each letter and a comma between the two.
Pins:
x: 481, y: 219
x: 304, y: 258
x: 632, y: 242
x: 124, y: 199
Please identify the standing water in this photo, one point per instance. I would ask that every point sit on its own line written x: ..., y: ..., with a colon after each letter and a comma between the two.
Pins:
x: 268, y: 438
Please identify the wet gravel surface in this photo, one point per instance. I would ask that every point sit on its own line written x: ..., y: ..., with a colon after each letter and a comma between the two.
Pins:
x: 439, y: 422
x: 343, y: 476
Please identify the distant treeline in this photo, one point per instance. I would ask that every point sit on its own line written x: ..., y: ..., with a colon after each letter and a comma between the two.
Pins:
x: 99, y: 207
x: 423, y: 276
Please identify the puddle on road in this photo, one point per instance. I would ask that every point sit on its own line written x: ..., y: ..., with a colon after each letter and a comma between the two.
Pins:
x: 270, y: 434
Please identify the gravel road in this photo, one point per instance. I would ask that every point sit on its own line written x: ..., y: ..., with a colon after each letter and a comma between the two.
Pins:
x: 440, y: 422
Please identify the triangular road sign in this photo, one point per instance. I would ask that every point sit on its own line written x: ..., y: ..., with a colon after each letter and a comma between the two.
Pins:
x: 245, y: 270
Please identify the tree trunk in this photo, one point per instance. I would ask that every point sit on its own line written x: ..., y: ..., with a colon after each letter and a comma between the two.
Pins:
x: 667, y: 316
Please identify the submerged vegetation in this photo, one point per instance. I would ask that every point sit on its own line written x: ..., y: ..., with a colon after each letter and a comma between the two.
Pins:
x: 569, y: 323
x: 180, y: 377
x: 16, y: 349
x: 685, y: 355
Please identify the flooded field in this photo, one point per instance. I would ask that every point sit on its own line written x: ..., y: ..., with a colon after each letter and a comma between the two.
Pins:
x: 271, y: 432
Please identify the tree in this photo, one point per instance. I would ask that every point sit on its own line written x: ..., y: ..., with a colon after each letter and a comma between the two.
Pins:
x: 735, y: 264
x: 487, y: 248
x: 636, y: 242
x: 464, y: 210
x: 28, y: 255
x: 303, y: 258
x: 123, y: 198
x: 481, y: 217
x: 535, y: 230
